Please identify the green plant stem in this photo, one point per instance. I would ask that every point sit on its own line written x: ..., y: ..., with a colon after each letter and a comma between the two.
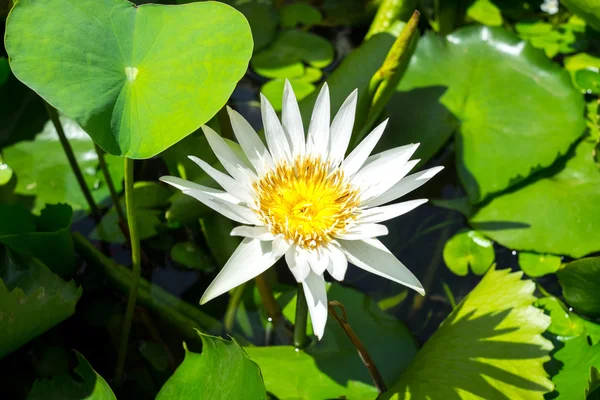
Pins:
x: 135, y: 267
x: 360, y: 347
x: 388, y: 12
x: 111, y: 187
x: 232, y: 306
x: 449, y: 15
x: 175, y: 312
x: 53, y: 114
x: 267, y: 298
x: 300, y: 338
x: 384, y: 82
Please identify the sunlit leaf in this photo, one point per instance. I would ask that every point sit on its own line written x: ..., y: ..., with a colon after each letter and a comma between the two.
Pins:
x: 137, y: 78
x: 489, y: 347
x: 468, y: 249
x: 536, y: 265
x: 580, y: 281
x: 222, y: 371
x: 589, y: 10
x: 485, y: 12
x: 83, y: 383
x: 473, y: 82
x: 546, y: 216
x: 33, y: 300
x: 565, y: 324
x: 577, y: 358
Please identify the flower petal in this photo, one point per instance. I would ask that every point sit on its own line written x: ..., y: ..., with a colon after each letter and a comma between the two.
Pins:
x: 318, y: 131
x: 228, y: 183
x: 280, y: 246
x: 297, y: 262
x: 384, y: 213
x: 359, y: 155
x: 316, y: 298
x: 404, y: 186
x: 338, y: 263
x: 341, y: 128
x: 230, y: 161
x: 276, y: 138
x: 372, y: 256
x: 214, y: 199
x: 380, y: 174
x: 363, y: 231
x: 292, y: 121
x: 251, y: 258
x: 255, y: 232
x: 319, y: 260
x: 253, y: 147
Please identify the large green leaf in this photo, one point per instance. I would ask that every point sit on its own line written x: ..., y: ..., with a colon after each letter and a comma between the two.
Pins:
x: 222, y: 372
x: 553, y: 214
x: 136, y: 78
x: 489, y: 347
x: 474, y: 81
x: 33, y: 300
x: 580, y: 281
x: 46, y: 237
x: 43, y: 171
x: 89, y: 385
x: 331, y: 368
x: 589, y: 10
x: 577, y: 358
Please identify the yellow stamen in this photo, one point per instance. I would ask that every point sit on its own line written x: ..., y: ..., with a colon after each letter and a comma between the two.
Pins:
x: 305, y: 202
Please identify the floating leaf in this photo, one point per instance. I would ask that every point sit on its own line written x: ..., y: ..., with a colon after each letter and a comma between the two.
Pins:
x: 302, y: 85
x: 553, y: 39
x: 485, y: 12
x: 547, y: 215
x: 52, y: 180
x: 536, y: 265
x: 46, y: 237
x: 479, y: 74
x: 6, y: 173
x: 589, y: 10
x: 585, y: 72
x: 331, y: 368
x: 222, y: 371
x: 300, y: 14
x: 89, y: 385
x: 137, y: 78
x: 565, y: 324
x: 469, y: 249
x: 489, y: 347
x: 580, y: 281
x: 285, y: 56
x: 150, y: 198
x: 577, y: 358
x: 33, y: 300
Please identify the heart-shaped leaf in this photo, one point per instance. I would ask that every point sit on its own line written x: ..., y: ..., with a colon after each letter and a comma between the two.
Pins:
x: 479, y: 74
x: 469, y: 249
x: 536, y: 265
x: 137, y: 79
x: 580, y: 281
x: 556, y: 213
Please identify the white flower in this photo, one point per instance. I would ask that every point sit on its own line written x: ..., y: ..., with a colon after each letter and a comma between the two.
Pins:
x: 550, y: 6
x: 301, y: 198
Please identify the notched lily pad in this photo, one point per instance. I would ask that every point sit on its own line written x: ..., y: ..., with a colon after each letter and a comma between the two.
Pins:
x: 469, y: 249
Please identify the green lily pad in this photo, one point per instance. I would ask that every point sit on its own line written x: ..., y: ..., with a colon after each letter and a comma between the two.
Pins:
x: 469, y: 249
x: 47, y: 237
x: 589, y: 10
x: 565, y: 324
x: 485, y: 12
x: 479, y: 74
x: 553, y: 39
x: 489, y: 347
x: 89, y: 385
x: 150, y: 199
x: 578, y: 358
x: 302, y: 85
x: 6, y: 173
x: 137, y: 78
x: 300, y: 14
x: 580, y: 281
x: 536, y: 265
x: 285, y: 56
x: 33, y: 300
x: 552, y: 214
x: 52, y: 180
x: 222, y: 372
x: 585, y: 72
x: 331, y: 368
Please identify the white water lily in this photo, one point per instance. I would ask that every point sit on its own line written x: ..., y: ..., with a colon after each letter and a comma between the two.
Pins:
x: 300, y: 198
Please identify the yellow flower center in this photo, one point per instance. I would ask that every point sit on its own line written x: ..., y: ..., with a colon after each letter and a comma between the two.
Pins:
x: 306, y: 202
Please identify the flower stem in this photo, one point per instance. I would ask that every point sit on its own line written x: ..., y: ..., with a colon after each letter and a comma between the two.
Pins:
x: 232, y: 306
x: 301, y: 318
x: 111, y: 188
x: 360, y: 347
x: 268, y: 300
x: 53, y: 114
x: 388, y: 12
x: 136, y: 267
